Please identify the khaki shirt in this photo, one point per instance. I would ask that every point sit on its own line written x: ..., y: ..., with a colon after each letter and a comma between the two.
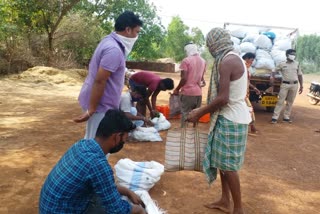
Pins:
x: 289, y: 70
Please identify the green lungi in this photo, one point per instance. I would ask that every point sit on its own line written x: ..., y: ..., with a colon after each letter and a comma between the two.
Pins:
x: 226, y: 148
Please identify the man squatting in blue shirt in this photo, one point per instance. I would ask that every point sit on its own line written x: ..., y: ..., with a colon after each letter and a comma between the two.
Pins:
x: 83, y: 182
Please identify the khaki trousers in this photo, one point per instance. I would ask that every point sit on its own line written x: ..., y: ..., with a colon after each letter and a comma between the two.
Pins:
x: 287, y: 93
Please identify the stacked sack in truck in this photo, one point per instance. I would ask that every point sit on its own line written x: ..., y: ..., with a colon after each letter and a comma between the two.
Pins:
x: 268, y: 47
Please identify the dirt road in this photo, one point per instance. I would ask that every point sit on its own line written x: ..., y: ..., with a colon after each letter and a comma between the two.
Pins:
x: 280, y: 175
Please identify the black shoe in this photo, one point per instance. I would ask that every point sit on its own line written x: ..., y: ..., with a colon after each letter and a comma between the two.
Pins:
x: 287, y: 120
x: 273, y: 121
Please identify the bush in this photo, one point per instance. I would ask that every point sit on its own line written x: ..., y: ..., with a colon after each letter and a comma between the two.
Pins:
x: 309, y: 67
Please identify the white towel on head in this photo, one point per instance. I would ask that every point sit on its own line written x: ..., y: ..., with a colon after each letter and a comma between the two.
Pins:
x: 191, y: 49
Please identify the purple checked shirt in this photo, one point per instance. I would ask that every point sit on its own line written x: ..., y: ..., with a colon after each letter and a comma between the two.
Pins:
x: 110, y: 56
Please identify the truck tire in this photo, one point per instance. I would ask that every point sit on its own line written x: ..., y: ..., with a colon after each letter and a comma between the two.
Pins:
x: 313, y: 101
x: 270, y: 109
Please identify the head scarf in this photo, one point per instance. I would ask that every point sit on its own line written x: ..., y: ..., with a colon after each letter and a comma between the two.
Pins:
x: 219, y: 44
x: 191, y: 49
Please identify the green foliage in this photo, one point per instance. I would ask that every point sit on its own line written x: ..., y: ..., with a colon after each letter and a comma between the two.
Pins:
x: 308, y: 52
x: 176, y: 39
x: 197, y: 37
x: 78, y: 36
x: 148, y: 44
x: 71, y: 29
x: 309, y: 67
x: 208, y: 57
x: 178, y: 36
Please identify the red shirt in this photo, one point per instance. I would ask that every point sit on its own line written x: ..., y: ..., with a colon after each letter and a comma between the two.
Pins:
x: 147, y: 79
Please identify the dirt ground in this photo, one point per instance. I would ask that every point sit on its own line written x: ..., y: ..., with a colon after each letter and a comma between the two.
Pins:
x: 280, y: 174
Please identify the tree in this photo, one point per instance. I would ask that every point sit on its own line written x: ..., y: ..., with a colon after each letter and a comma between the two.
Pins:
x: 43, y: 16
x: 148, y: 44
x: 9, y: 31
x: 308, y: 52
x: 77, y: 37
x: 177, y: 38
x: 197, y: 36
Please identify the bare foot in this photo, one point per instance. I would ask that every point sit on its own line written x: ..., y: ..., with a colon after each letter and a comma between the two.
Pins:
x: 253, y: 129
x: 223, y: 206
x: 238, y: 211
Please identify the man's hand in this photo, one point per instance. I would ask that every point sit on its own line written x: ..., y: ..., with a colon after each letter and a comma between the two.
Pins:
x: 134, y: 198
x: 194, y: 115
x: 83, y: 117
x: 147, y: 122
x: 154, y: 113
x: 300, y: 89
x: 202, y: 83
x: 257, y: 91
x: 136, y: 209
x: 269, y: 90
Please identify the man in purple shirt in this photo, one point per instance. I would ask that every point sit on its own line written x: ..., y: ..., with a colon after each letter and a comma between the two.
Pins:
x: 102, y: 88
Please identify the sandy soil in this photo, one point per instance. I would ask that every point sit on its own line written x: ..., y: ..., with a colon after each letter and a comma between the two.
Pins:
x: 280, y: 175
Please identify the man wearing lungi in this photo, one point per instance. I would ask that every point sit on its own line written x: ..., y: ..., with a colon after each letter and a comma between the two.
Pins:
x: 229, y: 119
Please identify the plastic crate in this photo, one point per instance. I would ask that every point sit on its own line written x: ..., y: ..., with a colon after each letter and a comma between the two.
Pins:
x: 205, y: 118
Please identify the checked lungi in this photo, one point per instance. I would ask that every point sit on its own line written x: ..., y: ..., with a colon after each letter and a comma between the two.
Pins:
x: 226, y: 148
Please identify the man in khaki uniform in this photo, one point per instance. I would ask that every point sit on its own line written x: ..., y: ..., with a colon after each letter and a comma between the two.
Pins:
x: 291, y: 75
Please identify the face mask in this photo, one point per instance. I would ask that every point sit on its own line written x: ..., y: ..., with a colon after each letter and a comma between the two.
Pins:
x: 128, y: 43
x: 291, y: 57
x: 117, y: 148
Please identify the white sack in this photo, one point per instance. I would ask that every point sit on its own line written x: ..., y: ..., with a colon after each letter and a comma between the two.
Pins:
x: 247, y: 47
x: 250, y: 37
x: 236, y: 48
x: 264, y: 60
x: 235, y: 40
x: 282, y: 44
x: 239, y: 33
x: 263, y: 42
x: 138, y: 175
x: 278, y: 56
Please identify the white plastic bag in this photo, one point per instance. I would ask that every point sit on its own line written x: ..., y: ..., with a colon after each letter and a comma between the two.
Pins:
x: 174, y: 105
x: 161, y: 123
x: 151, y: 206
x: 146, y: 134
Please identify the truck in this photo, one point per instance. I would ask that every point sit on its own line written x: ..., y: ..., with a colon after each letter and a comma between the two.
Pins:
x: 261, y: 79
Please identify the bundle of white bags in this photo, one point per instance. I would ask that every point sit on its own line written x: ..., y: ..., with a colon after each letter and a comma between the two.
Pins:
x: 140, y: 177
x: 268, y: 54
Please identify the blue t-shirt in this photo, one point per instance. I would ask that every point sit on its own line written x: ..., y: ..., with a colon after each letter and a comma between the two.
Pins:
x: 82, y: 172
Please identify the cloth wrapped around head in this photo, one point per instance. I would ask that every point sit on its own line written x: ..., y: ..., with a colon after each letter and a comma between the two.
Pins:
x: 191, y: 49
x: 219, y: 42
